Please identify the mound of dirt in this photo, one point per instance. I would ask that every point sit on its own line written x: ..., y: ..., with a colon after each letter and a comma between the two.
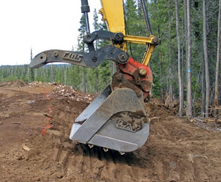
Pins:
x: 14, y: 84
x: 35, y: 123
x: 18, y: 83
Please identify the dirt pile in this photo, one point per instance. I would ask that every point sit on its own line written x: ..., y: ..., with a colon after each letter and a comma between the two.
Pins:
x: 73, y: 94
x: 60, y: 91
x: 16, y: 83
x: 177, y: 150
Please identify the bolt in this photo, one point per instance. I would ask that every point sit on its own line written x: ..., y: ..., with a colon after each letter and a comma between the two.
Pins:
x: 118, y: 37
x: 156, y: 40
x: 138, y: 93
x: 142, y: 72
x: 123, y: 57
x: 94, y: 59
x: 56, y: 54
x: 119, y: 77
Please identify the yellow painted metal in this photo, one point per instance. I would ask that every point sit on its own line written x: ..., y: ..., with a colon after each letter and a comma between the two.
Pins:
x: 147, y: 54
x: 138, y: 39
x: 113, y: 14
x: 150, y: 41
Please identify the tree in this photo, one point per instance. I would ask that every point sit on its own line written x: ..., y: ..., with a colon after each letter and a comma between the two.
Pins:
x: 189, y: 88
x: 96, y: 27
x: 32, y: 77
x: 206, y: 59
x: 218, y: 58
x: 134, y: 27
x: 179, y: 61
x: 96, y: 71
x: 82, y: 48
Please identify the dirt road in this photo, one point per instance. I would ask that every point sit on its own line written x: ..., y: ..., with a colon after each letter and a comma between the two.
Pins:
x: 35, y: 121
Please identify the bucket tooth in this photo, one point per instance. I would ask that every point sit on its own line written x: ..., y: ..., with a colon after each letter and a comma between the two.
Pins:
x: 90, y: 146
x: 105, y: 149
x: 121, y: 153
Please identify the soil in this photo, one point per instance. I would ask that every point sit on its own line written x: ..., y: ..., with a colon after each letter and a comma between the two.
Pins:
x: 35, y: 123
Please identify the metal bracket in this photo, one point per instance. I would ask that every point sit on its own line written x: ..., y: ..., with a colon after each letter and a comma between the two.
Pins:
x: 91, y: 59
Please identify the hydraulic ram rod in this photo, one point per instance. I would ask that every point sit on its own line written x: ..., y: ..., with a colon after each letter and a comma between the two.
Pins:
x: 85, y: 9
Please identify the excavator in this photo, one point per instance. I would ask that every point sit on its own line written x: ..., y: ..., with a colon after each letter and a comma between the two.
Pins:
x: 116, y: 119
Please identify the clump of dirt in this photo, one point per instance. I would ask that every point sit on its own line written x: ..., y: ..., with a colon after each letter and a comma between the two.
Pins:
x: 176, y: 150
x: 156, y: 108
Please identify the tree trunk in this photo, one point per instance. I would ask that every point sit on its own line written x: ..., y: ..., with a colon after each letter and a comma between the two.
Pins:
x: 179, y: 61
x: 188, y: 61
x: 170, y: 87
x: 65, y: 76
x: 203, y: 89
x: 97, y: 82
x: 52, y: 74
x: 84, y: 81
x: 206, y: 60
x: 218, y: 58
x: 32, y: 77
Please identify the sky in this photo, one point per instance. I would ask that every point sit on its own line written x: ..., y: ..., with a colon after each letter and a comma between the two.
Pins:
x: 39, y: 25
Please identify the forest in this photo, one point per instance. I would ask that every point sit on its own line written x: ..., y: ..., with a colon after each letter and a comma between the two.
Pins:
x: 185, y: 66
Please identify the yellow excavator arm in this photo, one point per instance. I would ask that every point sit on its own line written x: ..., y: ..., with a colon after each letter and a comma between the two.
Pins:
x: 113, y: 14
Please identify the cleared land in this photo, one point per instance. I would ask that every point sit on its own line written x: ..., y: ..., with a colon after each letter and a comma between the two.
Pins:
x: 35, y: 121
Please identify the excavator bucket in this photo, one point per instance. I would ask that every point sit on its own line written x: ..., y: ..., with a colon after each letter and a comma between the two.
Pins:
x: 115, y: 120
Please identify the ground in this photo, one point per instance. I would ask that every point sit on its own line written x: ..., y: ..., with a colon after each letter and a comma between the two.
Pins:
x: 35, y: 122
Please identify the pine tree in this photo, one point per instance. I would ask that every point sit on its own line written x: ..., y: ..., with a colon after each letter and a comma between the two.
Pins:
x: 31, y: 69
x: 218, y: 60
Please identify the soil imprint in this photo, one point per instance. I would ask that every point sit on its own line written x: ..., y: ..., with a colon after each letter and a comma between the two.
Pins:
x: 176, y: 150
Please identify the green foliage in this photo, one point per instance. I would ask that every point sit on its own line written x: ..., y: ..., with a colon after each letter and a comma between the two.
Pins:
x: 164, y: 58
x: 163, y: 61
x: 135, y: 25
x: 11, y: 73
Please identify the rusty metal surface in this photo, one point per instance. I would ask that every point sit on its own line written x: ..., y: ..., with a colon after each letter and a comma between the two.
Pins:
x: 138, y: 75
x: 119, y: 81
